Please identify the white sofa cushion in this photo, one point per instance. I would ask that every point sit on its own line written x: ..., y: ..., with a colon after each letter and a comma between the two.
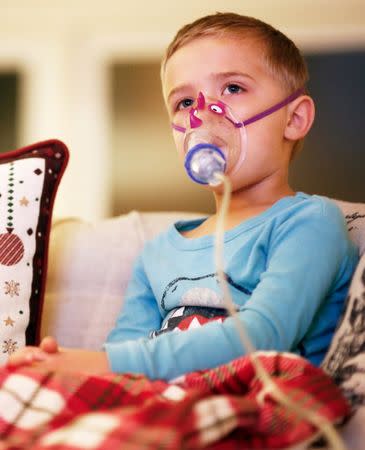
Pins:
x: 89, y: 269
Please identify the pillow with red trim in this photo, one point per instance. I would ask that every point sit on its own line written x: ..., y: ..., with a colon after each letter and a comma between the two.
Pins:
x: 29, y: 178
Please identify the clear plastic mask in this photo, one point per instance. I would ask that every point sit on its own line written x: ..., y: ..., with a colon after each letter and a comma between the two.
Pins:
x: 214, y: 142
x: 215, y: 138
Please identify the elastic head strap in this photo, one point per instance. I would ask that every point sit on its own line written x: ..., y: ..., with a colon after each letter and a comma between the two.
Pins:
x: 271, y: 110
x: 178, y: 128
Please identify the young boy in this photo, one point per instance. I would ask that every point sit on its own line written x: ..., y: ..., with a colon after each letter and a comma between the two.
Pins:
x: 288, y: 258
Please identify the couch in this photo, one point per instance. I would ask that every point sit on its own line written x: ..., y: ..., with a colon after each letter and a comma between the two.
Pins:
x: 90, y: 265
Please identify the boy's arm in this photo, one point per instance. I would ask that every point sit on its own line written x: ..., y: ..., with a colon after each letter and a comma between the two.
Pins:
x: 139, y: 316
x: 306, y: 257
x: 51, y: 357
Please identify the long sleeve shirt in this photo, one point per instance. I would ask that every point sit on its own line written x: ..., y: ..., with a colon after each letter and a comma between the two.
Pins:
x: 288, y: 270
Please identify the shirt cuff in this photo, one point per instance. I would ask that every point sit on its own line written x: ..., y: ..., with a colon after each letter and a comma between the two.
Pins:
x: 126, y: 357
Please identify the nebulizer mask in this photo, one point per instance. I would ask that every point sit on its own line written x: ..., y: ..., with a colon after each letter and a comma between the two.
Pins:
x: 215, y: 147
x: 215, y: 138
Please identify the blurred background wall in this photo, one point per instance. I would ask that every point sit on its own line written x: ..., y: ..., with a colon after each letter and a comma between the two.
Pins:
x: 88, y: 74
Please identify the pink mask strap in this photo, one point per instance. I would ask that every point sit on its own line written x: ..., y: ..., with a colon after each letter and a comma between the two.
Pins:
x: 271, y: 110
x: 178, y: 128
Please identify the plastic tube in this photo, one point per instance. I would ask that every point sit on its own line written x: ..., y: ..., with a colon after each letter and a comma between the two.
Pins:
x: 269, y: 385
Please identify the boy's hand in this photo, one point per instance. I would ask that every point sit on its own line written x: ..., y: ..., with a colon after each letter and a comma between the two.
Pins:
x: 51, y: 357
x: 49, y: 345
x: 31, y: 354
x: 75, y: 360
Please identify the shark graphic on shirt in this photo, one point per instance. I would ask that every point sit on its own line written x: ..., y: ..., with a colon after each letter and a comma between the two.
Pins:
x: 199, y: 300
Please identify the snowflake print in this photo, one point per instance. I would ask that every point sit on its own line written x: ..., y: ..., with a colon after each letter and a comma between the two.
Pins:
x: 10, y: 346
x: 12, y: 288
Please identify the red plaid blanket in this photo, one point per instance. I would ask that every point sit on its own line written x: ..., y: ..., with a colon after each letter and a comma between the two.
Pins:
x: 220, y: 409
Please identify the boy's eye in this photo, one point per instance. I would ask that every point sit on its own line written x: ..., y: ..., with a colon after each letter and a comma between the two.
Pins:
x: 185, y: 103
x: 233, y: 89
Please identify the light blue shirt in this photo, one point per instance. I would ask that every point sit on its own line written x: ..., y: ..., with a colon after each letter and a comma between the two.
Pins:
x: 288, y: 269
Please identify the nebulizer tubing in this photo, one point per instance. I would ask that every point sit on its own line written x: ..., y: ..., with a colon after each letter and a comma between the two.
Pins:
x: 269, y: 385
x: 206, y: 164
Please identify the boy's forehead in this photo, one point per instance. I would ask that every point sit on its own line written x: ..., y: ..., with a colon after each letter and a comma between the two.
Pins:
x: 209, y: 55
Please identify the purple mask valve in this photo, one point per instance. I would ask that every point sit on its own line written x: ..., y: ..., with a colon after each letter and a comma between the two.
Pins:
x: 204, y: 162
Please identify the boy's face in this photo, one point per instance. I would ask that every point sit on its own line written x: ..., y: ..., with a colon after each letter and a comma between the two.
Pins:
x: 234, y: 71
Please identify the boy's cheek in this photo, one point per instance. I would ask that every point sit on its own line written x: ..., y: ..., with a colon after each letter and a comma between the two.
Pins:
x: 179, y: 143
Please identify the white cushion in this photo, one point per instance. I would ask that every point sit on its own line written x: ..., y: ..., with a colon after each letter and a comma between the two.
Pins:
x: 89, y: 269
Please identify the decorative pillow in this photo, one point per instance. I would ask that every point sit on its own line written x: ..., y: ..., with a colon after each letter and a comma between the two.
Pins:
x: 29, y: 178
x: 355, y: 216
x: 345, y: 359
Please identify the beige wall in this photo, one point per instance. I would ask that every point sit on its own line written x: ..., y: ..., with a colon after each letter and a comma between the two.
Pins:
x: 64, y: 50
x: 77, y: 17
x: 147, y: 172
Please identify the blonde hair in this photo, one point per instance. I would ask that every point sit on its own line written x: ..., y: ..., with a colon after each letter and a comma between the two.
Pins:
x: 281, y: 55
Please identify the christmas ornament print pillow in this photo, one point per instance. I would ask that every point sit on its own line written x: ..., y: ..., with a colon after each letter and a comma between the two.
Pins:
x: 29, y: 178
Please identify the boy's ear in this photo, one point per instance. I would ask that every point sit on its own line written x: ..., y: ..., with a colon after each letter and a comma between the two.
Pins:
x: 301, y: 114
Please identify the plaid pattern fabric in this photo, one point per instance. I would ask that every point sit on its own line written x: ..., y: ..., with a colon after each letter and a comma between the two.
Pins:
x: 221, y: 409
